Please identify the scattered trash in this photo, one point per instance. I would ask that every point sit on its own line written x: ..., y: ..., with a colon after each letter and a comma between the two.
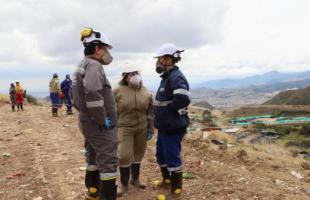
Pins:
x: 66, y: 125
x: 296, y: 174
x: 83, y: 152
x: 307, y: 191
x: 6, y: 154
x: 17, y: 134
x: 305, y: 165
x: 37, y: 198
x: 188, y: 175
x: 200, y: 163
x: 17, y: 175
x: 305, y: 154
x: 218, y: 142
x: 82, y: 168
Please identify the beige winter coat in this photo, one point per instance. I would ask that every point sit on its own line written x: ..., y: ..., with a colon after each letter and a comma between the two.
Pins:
x: 134, y: 107
x: 54, y: 86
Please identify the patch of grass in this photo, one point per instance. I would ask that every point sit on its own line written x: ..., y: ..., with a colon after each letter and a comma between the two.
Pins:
x: 295, y: 140
x: 32, y: 100
x: 305, y: 130
x: 283, y: 130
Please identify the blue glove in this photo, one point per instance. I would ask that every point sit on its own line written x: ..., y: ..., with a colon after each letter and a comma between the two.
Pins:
x: 107, y: 123
x: 149, y: 135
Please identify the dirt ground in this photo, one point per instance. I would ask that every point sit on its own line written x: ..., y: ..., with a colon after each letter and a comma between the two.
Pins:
x: 45, y: 162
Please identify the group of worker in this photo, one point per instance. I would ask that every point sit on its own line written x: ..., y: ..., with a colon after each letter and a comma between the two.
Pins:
x: 117, y: 124
x: 17, y: 95
x: 60, y: 93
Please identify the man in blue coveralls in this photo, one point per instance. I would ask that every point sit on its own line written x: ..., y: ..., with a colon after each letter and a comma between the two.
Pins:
x: 171, y: 118
x: 66, y: 87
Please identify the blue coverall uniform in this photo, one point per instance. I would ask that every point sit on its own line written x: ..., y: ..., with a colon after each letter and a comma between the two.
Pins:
x: 171, y: 118
x: 66, y: 89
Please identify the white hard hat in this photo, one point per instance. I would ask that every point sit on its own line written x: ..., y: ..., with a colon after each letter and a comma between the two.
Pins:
x: 95, y: 36
x: 167, y: 49
x: 127, y: 68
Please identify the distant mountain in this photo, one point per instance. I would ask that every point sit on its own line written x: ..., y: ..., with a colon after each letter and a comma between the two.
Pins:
x: 232, y: 97
x: 267, y: 78
x: 291, y: 97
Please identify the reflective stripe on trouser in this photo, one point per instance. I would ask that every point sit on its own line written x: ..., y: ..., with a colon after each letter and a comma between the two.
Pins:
x: 131, y: 145
x: 168, y: 150
x: 68, y: 101
x: 101, y: 147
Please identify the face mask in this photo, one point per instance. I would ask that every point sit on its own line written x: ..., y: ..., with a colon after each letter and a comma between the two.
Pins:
x: 135, y: 80
x: 159, y: 67
x: 106, y: 58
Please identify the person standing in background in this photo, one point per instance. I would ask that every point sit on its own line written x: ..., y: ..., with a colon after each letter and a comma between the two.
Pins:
x: 13, y: 96
x: 19, y: 96
x: 54, y: 89
x: 66, y: 87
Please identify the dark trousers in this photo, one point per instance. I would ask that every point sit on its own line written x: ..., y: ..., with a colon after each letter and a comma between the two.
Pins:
x: 168, y: 150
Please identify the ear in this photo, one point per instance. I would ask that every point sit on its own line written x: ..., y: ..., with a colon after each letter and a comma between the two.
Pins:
x: 97, y: 48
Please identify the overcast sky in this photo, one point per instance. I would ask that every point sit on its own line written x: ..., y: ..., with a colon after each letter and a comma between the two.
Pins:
x: 222, y: 38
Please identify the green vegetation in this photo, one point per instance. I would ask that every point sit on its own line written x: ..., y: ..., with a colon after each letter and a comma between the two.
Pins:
x: 283, y: 130
x: 305, y: 130
x: 32, y: 100
x: 291, y: 97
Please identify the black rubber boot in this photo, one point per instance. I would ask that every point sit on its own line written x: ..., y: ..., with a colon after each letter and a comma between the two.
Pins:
x: 69, y: 111
x: 108, y: 189
x: 54, y: 112
x: 166, y: 178
x: 125, y: 174
x: 92, y: 183
x: 135, y: 173
x: 21, y: 107
x: 13, y: 108
x: 176, y: 186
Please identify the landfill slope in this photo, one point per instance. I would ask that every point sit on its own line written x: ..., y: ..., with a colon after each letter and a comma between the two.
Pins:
x: 40, y: 158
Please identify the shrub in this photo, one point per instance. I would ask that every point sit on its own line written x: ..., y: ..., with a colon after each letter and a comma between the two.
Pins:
x: 283, y: 130
x: 32, y: 100
x: 305, y: 130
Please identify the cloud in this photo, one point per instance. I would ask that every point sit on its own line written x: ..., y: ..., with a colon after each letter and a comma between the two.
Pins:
x: 222, y: 38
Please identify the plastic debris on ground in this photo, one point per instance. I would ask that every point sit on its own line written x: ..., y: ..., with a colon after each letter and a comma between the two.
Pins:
x: 188, y: 175
x: 6, y: 154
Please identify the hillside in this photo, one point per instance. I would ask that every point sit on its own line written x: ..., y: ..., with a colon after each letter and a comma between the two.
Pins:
x: 261, y: 79
x: 291, y: 97
x: 45, y: 162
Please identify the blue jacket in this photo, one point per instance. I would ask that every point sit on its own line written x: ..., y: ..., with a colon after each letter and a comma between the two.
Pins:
x: 66, y: 86
x: 171, y: 102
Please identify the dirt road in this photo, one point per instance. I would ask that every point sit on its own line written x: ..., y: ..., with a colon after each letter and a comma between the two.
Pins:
x: 41, y: 159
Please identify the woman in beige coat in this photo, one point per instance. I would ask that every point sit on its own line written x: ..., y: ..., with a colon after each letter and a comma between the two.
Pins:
x: 135, y: 127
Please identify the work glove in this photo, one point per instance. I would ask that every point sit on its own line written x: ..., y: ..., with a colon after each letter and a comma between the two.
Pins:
x: 107, y: 123
x: 149, y: 135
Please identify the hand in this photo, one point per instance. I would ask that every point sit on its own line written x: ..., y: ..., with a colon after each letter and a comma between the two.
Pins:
x: 107, y: 123
x: 149, y: 135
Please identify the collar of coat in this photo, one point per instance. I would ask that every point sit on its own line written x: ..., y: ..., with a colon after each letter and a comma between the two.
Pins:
x: 166, y: 74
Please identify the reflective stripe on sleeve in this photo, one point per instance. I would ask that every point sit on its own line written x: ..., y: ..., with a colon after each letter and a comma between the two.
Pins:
x: 161, y: 103
x: 181, y: 91
x: 93, y: 104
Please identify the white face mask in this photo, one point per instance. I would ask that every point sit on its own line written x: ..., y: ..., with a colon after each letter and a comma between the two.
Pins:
x: 135, y: 80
